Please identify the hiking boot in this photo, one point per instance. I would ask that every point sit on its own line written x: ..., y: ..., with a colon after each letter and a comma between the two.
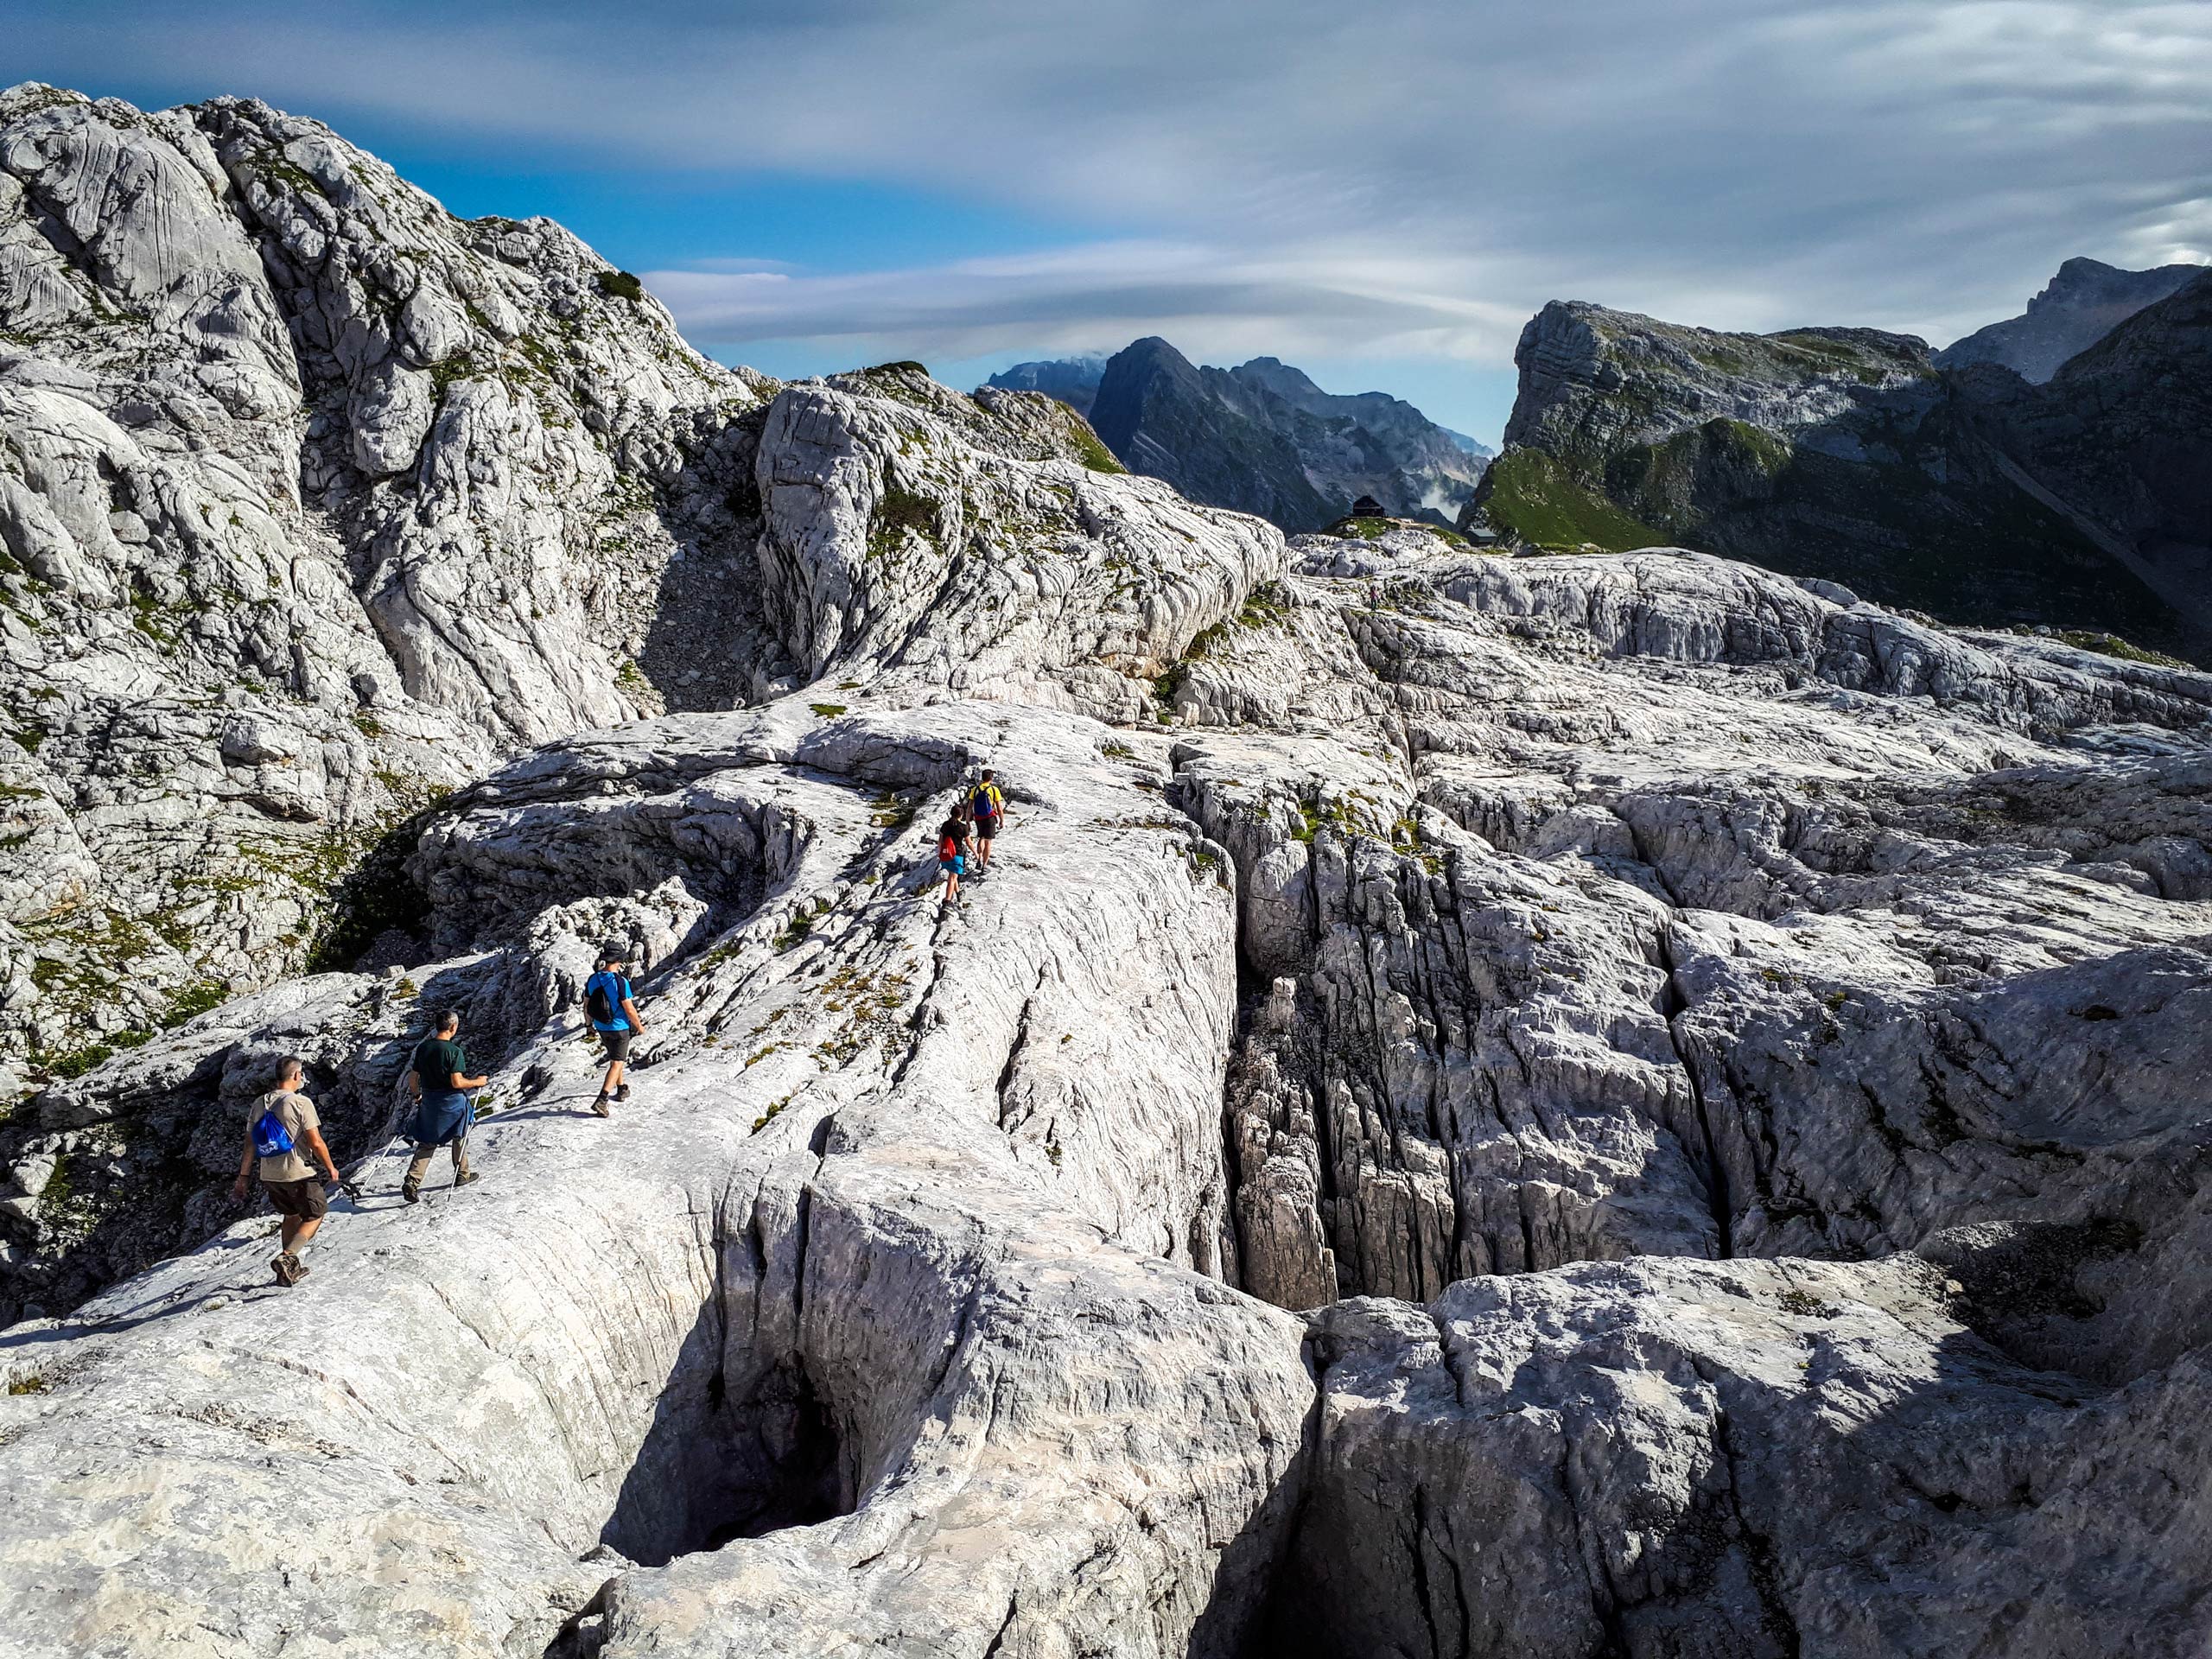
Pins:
x: 411, y: 1190
x: 623, y: 1093
x: 600, y: 1107
x: 289, y: 1269
x: 466, y: 1178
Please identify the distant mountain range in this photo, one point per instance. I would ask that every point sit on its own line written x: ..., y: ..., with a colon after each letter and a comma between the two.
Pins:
x: 1949, y: 481
x: 1261, y: 437
x: 1073, y: 380
x: 2080, y: 306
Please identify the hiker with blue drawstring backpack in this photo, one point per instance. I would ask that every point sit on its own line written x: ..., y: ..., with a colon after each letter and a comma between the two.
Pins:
x: 281, y: 1129
x: 614, y: 1020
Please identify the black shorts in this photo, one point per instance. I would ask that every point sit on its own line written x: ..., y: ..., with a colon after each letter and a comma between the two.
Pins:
x: 304, y: 1199
x: 616, y: 1043
x: 987, y: 826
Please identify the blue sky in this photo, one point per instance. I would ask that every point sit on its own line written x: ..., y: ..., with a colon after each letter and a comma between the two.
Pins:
x: 1380, y: 195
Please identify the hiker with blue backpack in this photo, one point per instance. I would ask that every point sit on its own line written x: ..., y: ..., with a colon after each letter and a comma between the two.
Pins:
x: 282, y: 1128
x: 443, y: 1111
x: 614, y: 1019
x: 987, y: 811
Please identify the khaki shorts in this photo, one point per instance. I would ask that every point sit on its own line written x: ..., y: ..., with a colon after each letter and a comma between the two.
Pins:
x: 306, y: 1199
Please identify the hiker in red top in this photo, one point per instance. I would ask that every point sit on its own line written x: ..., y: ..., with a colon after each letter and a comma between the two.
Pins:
x: 951, y: 857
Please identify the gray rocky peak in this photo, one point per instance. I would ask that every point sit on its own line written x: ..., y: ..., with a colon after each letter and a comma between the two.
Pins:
x: 1488, y: 1101
x: 2086, y: 301
x: 1262, y: 437
x: 1851, y: 454
x: 1073, y: 380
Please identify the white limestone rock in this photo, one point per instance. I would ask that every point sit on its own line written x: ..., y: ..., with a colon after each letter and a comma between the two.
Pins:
x: 1508, y: 938
x: 886, y: 1245
x: 1587, y: 835
x: 286, y: 448
x: 1037, y: 576
x: 1743, y: 1458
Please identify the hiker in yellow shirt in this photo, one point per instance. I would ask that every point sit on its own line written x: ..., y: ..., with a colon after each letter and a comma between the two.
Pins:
x: 988, y: 807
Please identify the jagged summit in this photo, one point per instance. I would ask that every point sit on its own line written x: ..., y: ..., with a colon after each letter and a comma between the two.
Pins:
x: 1262, y: 437
x: 2086, y: 301
x: 1552, y: 1104
x: 1073, y: 380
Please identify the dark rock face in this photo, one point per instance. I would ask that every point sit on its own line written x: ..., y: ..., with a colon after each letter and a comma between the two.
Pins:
x: 1374, y: 442
x: 2086, y: 301
x: 1262, y: 437
x: 2123, y: 435
x: 1163, y: 416
x: 1855, y: 456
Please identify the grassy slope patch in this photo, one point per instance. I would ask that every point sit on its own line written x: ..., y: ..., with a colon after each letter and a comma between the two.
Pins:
x: 1533, y: 498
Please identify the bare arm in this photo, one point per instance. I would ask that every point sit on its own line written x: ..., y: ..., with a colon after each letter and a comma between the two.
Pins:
x: 466, y: 1083
x: 316, y: 1146
x: 246, y: 1169
x: 630, y: 1013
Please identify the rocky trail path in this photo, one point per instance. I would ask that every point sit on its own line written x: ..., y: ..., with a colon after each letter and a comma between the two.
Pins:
x: 1581, y: 1105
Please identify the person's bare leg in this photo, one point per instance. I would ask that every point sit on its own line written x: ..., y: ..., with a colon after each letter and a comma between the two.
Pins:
x: 289, y: 1233
x: 298, y: 1231
x: 613, y: 1080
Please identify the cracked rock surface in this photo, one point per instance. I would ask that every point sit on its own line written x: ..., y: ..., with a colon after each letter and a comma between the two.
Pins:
x: 1590, y: 1105
x: 317, y: 502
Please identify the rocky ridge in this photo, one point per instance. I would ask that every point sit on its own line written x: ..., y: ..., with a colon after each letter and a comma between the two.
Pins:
x: 1245, y: 437
x: 2122, y: 438
x: 1781, y: 1144
x: 2086, y: 301
x: 313, y: 498
x: 1626, y: 1105
x: 1854, y: 455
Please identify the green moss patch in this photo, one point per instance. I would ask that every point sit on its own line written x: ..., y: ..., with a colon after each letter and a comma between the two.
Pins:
x: 898, y: 511
x: 1533, y: 499
x: 1090, y: 449
x: 2111, y: 645
x: 369, y: 896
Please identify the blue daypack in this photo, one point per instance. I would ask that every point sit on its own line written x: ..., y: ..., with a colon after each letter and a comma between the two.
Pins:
x: 603, y: 995
x: 270, y: 1138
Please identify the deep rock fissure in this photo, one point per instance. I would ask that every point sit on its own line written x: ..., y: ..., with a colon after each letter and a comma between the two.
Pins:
x: 1674, y: 1002
x: 711, y: 1468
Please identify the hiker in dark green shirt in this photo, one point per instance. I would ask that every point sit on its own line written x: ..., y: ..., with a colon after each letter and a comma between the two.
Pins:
x: 440, y: 1082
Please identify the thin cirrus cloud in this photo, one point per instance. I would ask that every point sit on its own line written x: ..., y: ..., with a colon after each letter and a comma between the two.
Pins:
x: 1397, y: 180
x: 1311, y: 300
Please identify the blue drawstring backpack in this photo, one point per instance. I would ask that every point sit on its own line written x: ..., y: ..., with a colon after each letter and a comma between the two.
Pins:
x: 270, y: 1138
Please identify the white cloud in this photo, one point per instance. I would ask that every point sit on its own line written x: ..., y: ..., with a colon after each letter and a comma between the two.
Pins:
x: 1308, y: 175
x: 1213, y: 302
